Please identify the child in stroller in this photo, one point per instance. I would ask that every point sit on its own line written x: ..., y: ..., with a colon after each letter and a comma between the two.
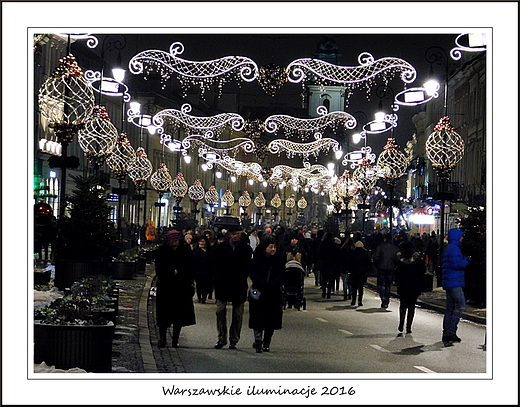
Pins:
x: 293, y: 286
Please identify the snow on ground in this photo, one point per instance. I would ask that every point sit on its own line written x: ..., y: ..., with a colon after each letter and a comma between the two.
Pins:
x: 43, y: 368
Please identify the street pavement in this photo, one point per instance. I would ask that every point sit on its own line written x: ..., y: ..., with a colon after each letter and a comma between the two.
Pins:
x: 135, y: 344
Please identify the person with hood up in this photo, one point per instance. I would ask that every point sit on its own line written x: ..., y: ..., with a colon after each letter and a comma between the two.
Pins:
x: 174, y: 301
x: 410, y: 269
x: 453, y: 266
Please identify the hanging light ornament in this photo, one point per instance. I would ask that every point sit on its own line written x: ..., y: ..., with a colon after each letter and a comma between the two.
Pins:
x: 254, y: 128
x: 179, y: 188
x: 302, y: 203
x: 161, y: 179
x: 261, y: 151
x: 260, y: 200
x: 99, y: 136
x: 271, y: 78
x: 196, y: 191
x: 392, y: 161
x: 66, y: 99
x: 366, y: 175
x: 228, y: 198
x: 245, y: 200
x: 304, y: 149
x: 445, y: 148
x: 276, y: 201
x: 121, y: 158
x: 141, y: 168
x: 211, y: 196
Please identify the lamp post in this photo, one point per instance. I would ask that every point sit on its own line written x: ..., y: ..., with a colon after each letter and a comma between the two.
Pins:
x: 444, y: 147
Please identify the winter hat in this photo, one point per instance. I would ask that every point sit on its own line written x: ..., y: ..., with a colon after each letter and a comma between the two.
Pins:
x: 173, y: 235
x: 359, y: 243
x: 307, y: 235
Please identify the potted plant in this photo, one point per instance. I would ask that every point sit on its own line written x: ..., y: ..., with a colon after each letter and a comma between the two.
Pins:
x: 71, y: 332
x: 124, y: 265
x: 86, y: 239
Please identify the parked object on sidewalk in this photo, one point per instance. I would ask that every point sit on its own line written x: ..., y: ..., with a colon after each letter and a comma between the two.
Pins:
x: 293, y: 285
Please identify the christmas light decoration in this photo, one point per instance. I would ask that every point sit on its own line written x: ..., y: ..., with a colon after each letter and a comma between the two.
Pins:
x: 290, y: 202
x: 271, y: 78
x: 356, y: 157
x: 208, y: 127
x: 259, y: 200
x: 189, y: 73
x: 211, y: 197
x: 392, y: 161
x: 245, y: 200
x: 302, y: 203
x: 92, y: 42
x: 254, y: 128
x: 276, y: 202
x: 444, y: 147
x: 98, y: 137
x: 479, y: 45
x: 316, y: 175
x: 228, y: 198
x: 303, y: 149
x: 141, y: 168
x: 107, y: 86
x: 218, y: 146
x: 66, y: 99
x: 196, y: 191
x: 304, y: 127
x: 179, y: 187
x: 325, y: 73
x: 121, y: 158
x: 366, y: 175
x: 161, y: 179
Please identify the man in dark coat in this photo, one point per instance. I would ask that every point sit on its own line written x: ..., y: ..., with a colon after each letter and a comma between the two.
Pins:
x: 231, y: 262
x: 385, y: 260
x: 173, y: 267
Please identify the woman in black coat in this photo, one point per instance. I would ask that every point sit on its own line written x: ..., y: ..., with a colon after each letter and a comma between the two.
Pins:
x: 174, y: 301
x: 409, y: 277
x: 266, y: 271
x: 202, y: 269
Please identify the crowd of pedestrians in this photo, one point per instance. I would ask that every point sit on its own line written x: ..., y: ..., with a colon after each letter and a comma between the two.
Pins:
x: 222, y: 264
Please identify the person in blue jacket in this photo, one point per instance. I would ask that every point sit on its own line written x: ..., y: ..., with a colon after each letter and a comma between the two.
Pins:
x: 453, y: 265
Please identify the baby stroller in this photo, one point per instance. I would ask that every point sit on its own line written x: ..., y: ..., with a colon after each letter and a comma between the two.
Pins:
x: 293, y: 286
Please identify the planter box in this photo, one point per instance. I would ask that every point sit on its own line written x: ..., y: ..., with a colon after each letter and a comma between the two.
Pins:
x: 88, y: 347
x: 67, y: 272
x: 121, y: 270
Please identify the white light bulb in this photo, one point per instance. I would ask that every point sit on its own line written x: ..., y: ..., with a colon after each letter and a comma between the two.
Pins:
x: 187, y: 159
x: 233, y: 178
x: 431, y: 87
x: 204, y: 167
x: 119, y: 74
x: 218, y: 174
x: 338, y: 154
x: 356, y: 138
x: 250, y: 181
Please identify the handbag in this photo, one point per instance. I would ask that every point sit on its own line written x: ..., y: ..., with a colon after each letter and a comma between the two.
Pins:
x: 253, y: 294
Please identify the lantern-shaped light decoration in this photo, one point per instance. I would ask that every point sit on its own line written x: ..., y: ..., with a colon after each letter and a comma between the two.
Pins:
x: 99, y: 136
x: 141, y: 168
x: 302, y: 203
x: 260, y: 200
x: 290, y: 202
x: 122, y: 157
x: 392, y: 161
x: 161, y: 179
x: 366, y: 176
x: 276, y: 201
x: 211, y: 196
x: 445, y: 148
x: 228, y: 198
x: 196, y: 191
x: 179, y: 186
x: 66, y: 99
x: 245, y: 200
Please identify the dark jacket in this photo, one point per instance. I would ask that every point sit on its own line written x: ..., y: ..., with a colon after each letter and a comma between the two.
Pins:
x: 453, y: 262
x: 385, y: 256
x: 359, y: 265
x: 174, y: 292
x: 329, y: 254
x: 230, y: 271
x: 201, y: 263
x: 267, y: 275
x: 410, y: 274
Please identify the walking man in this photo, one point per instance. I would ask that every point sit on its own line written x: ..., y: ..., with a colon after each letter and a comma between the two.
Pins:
x: 385, y: 259
x: 231, y: 262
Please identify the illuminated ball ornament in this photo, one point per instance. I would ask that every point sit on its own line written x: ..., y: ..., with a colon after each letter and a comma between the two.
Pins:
x: 245, y: 200
x: 290, y: 202
x: 161, y: 179
x: 66, y: 99
x: 365, y: 175
x: 196, y: 191
x: 228, y: 198
x: 211, y: 196
x: 260, y: 200
x: 302, y: 203
x: 271, y: 78
x: 276, y: 201
x: 141, y: 168
x: 179, y: 186
x: 122, y: 157
x: 99, y: 136
x: 392, y: 161
x: 445, y: 148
